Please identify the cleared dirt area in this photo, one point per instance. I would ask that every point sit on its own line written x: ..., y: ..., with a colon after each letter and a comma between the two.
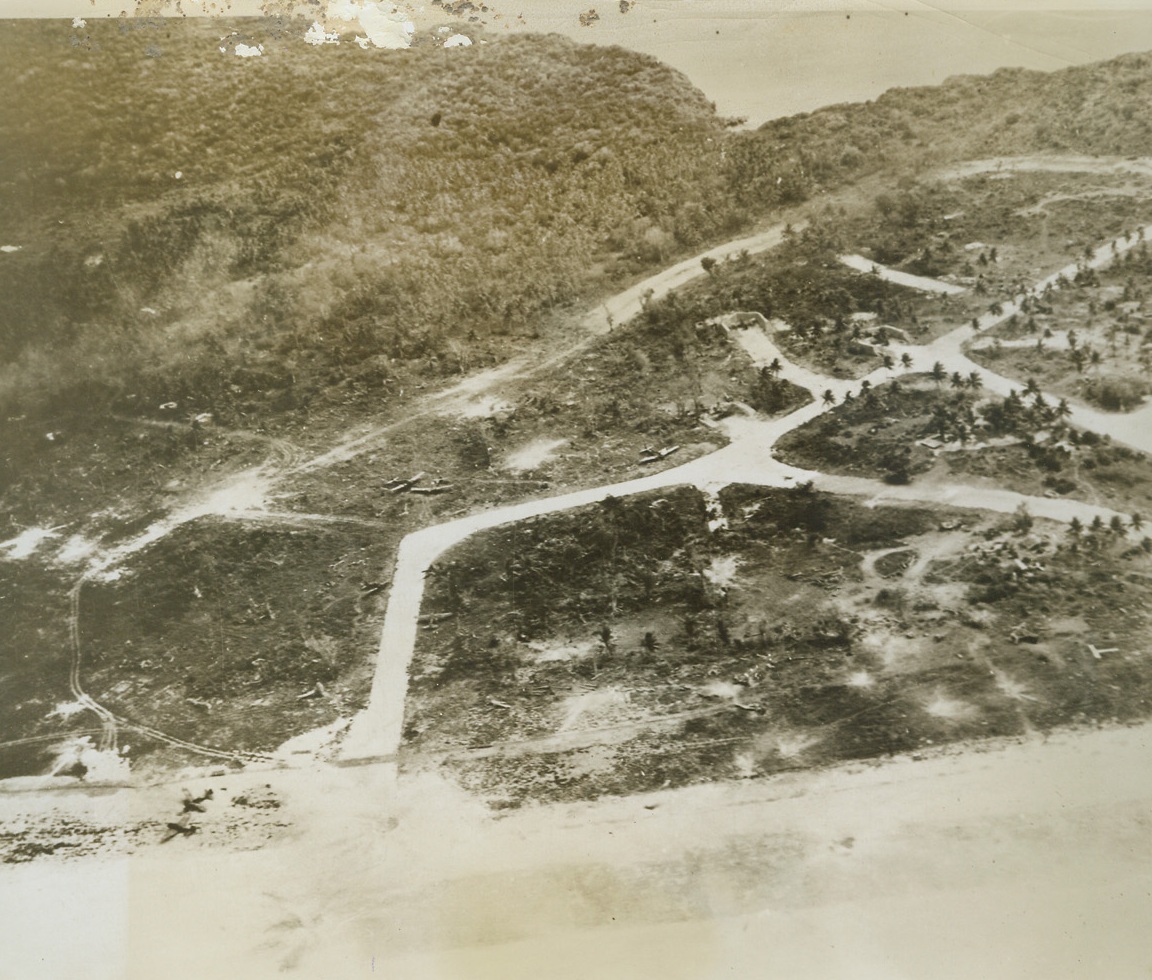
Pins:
x: 629, y: 647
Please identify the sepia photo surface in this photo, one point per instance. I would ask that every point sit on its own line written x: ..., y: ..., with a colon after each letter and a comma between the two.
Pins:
x: 650, y: 489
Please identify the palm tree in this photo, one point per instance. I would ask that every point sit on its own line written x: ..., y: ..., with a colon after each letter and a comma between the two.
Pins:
x: 829, y: 398
x: 974, y: 380
x: 938, y: 373
x: 941, y: 421
x: 1136, y: 520
x: 888, y: 362
x: 906, y: 360
x: 775, y: 367
x: 1075, y: 527
x: 1031, y: 387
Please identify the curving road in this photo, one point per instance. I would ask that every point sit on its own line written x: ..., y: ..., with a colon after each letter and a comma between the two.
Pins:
x: 244, y: 496
x: 623, y: 306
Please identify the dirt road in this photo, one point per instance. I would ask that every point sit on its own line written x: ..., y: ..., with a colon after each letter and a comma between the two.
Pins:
x: 1056, y: 164
x: 623, y: 306
x: 376, y: 731
x: 748, y: 458
x: 922, y: 283
x: 1133, y: 429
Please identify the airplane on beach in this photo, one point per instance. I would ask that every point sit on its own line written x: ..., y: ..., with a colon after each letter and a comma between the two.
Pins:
x: 195, y: 804
x: 182, y: 827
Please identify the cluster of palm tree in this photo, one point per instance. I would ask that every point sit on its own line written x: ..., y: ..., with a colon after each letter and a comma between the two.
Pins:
x: 1022, y: 413
x: 939, y: 374
x: 957, y: 421
x: 1097, y: 533
x: 770, y: 394
x: 1028, y: 413
x: 1082, y: 354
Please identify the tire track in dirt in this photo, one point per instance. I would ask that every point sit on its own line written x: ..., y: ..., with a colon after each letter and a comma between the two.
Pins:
x: 107, y: 719
x: 111, y: 723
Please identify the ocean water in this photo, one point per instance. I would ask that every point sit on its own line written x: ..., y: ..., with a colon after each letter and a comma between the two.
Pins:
x: 762, y: 59
x: 761, y: 62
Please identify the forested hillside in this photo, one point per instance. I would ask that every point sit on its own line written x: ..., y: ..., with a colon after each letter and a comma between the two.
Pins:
x: 1095, y: 109
x: 177, y: 206
x: 243, y: 234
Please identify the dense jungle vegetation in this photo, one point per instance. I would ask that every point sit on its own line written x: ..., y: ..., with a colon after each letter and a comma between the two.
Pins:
x: 1089, y: 109
x: 246, y: 233
x: 178, y: 207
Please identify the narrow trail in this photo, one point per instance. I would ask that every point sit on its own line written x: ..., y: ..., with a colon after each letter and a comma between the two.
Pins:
x: 107, y: 719
x: 283, y: 452
x: 112, y: 723
x: 575, y: 738
x: 294, y: 518
x: 868, y: 564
